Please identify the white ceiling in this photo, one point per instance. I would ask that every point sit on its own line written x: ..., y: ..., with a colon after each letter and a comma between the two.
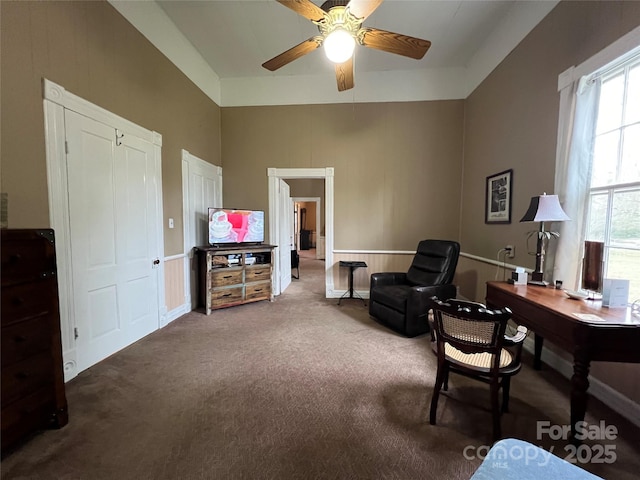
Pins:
x: 221, y: 45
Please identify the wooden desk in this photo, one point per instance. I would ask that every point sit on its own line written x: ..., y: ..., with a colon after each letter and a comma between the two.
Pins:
x: 550, y: 314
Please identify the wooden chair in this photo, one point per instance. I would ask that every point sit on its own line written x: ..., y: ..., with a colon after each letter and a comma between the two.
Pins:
x: 470, y: 340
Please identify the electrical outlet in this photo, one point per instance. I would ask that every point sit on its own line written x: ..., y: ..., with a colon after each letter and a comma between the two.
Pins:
x: 511, y: 251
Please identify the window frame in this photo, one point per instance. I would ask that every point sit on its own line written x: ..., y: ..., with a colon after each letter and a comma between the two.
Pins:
x: 617, y: 186
x: 571, y: 179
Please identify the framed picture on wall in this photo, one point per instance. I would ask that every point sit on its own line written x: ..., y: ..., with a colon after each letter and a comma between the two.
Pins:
x: 497, y: 203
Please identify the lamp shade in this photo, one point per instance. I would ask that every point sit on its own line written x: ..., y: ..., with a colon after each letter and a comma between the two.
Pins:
x: 545, y: 208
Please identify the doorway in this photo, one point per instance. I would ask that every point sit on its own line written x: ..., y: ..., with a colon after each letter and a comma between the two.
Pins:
x: 308, y: 226
x: 275, y: 175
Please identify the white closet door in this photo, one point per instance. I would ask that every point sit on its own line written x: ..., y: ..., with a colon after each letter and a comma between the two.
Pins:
x: 113, y: 214
x: 202, y: 185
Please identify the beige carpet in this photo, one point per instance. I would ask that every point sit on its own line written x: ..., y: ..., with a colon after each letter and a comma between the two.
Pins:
x: 299, y: 388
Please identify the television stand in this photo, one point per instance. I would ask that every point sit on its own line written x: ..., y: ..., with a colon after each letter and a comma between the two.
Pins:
x: 234, y: 275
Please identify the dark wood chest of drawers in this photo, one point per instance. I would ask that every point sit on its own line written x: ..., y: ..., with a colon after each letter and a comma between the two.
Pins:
x: 33, y: 395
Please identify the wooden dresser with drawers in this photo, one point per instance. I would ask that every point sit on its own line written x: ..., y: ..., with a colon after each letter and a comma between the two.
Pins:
x: 33, y: 393
x: 234, y: 275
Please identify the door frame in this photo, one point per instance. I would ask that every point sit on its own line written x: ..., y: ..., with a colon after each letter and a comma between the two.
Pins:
x: 55, y: 100
x: 326, y: 173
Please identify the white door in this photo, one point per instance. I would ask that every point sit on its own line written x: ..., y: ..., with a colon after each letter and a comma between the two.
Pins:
x: 285, y: 205
x: 202, y: 185
x: 113, y: 215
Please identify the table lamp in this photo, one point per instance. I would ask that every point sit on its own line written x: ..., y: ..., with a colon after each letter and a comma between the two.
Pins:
x: 543, y: 208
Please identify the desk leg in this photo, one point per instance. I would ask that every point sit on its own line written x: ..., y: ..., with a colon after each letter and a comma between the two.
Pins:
x: 579, y: 387
x: 537, y: 352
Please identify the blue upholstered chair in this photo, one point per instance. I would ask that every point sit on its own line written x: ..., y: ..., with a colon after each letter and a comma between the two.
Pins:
x: 513, y: 459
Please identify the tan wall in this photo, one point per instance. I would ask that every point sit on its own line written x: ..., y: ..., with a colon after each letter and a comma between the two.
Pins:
x: 307, y: 187
x: 310, y: 221
x: 397, y: 165
x: 512, y: 117
x: 93, y: 52
x: 376, y: 262
x: 310, y: 187
x: 512, y: 121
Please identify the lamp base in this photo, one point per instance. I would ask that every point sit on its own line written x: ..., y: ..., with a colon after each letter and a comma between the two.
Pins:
x: 536, y: 279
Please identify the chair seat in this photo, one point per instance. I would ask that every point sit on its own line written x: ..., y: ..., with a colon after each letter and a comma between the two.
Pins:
x: 393, y: 296
x: 479, y: 362
x: 482, y: 360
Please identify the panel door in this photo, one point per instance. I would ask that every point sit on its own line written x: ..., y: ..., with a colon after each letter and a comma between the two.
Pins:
x: 114, y: 248
x: 203, y: 190
x: 285, y: 244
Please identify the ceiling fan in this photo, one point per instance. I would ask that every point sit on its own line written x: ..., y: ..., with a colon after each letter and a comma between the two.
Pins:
x: 340, y: 25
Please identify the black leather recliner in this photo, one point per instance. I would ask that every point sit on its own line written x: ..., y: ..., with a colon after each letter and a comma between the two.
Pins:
x: 400, y: 300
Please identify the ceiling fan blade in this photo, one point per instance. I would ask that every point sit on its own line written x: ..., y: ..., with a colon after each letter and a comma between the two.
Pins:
x: 363, y: 8
x: 305, y: 8
x: 309, y: 45
x: 344, y: 75
x: 395, y: 43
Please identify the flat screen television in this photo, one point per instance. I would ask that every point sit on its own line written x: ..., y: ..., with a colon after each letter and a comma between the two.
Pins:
x: 231, y: 226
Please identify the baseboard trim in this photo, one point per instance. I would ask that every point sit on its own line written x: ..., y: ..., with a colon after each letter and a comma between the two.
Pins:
x: 177, y: 313
x: 618, y: 402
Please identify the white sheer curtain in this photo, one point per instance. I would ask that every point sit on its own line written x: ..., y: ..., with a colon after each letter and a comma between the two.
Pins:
x: 573, y: 174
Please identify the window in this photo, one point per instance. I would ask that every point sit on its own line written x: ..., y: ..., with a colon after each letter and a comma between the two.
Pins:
x: 613, y: 215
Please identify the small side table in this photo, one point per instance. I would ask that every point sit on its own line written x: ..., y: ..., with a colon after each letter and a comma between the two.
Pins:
x: 352, y: 266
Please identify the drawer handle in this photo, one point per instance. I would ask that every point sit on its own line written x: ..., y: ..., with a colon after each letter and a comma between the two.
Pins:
x: 258, y: 290
x: 258, y: 273
x: 21, y: 375
x: 20, y: 338
x: 228, y: 276
x: 16, y: 257
x: 226, y: 295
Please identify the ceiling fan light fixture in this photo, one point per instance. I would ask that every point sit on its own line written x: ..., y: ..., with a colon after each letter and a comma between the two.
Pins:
x: 340, y: 25
x: 339, y: 45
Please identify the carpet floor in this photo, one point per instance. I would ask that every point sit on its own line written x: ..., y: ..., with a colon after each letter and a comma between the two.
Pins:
x: 298, y: 388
